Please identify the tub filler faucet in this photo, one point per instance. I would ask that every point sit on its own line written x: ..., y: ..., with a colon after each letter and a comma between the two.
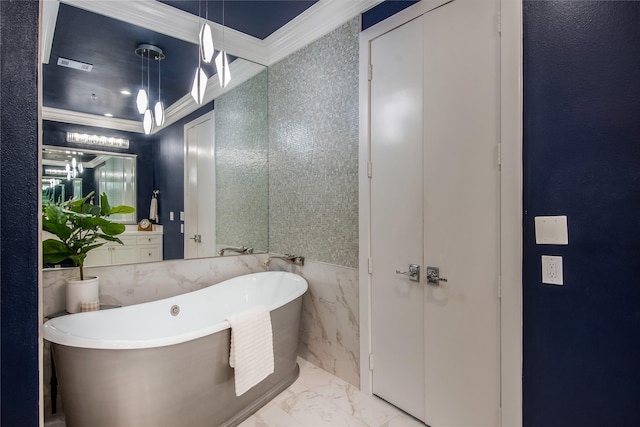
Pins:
x: 291, y: 259
x: 241, y: 250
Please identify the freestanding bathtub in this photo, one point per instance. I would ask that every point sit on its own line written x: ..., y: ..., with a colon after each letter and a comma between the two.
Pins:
x: 166, y: 363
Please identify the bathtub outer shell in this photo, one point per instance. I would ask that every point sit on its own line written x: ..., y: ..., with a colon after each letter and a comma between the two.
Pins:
x: 185, y: 384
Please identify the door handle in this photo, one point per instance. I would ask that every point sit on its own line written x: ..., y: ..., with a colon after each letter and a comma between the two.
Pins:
x: 413, y: 273
x: 433, y: 276
x: 196, y: 238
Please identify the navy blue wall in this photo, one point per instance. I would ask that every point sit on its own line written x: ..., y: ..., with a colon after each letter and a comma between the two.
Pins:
x: 19, y: 193
x: 55, y: 133
x: 169, y: 179
x: 582, y: 159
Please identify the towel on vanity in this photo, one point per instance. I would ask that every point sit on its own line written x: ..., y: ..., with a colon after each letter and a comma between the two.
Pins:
x: 153, y: 210
x: 251, y: 353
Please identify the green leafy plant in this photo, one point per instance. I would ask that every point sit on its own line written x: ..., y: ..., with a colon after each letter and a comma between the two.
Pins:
x: 80, y: 226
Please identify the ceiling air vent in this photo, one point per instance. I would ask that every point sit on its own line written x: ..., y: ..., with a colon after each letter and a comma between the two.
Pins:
x: 76, y: 65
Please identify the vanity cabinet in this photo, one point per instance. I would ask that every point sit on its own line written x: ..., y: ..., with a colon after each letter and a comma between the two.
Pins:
x: 149, y: 248
x: 137, y: 247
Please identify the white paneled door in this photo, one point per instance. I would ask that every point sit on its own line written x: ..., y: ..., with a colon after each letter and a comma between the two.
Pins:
x: 200, y: 188
x: 435, y: 202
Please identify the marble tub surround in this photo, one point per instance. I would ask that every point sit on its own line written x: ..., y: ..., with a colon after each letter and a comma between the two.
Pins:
x: 137, y: 283
x: 330, y: 331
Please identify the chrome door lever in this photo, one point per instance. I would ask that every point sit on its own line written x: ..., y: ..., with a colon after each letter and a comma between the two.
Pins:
x: 196, y: 238
x: 433, y: 276
x: 413, y: 273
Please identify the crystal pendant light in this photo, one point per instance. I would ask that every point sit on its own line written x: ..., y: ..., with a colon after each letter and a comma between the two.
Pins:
x: 147, y: 122
x: 222, y: 62
x: 206, y: 37
x: 159, y: 107
x: 206, y: 43
x: 200, y: 78
x: 199, y: 85
x: 222, y: 66
x: 142, y: 100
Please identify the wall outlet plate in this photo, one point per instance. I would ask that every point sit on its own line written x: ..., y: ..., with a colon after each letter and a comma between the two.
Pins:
x: 552, y: 270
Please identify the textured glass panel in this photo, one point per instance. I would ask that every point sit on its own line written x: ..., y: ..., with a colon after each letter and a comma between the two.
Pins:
x: 242, y: 168
x: 313, y: 119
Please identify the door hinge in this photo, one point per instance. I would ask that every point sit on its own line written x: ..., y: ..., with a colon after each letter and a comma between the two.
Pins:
x: 370, y: 72
x: 499, y: 154
x: 369, y: 170
x: 370, y: 266
x: 499, y: 23
x: 371, y: 362
x: 499, y: 287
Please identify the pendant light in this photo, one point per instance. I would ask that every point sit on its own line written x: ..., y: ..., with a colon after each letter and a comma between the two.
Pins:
x: 142, y: 100
x: 200, y: 78
x: 147, y: 120
x: 159, y: 107
x: 149, y: 52
x: 206, y: 37
x: 222, y: 61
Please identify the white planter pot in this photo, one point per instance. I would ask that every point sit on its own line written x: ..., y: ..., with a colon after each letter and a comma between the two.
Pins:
x: 81, y: 290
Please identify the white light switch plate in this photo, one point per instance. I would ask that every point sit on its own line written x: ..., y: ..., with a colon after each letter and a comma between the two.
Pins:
x: 551, y: 230
x: 552, y: 270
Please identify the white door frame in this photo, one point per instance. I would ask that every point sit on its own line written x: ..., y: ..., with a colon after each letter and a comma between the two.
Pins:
x: 509, y: 23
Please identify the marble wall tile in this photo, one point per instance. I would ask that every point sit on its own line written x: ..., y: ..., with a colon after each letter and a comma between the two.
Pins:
x: 137, y: 283
x: 330, y: 329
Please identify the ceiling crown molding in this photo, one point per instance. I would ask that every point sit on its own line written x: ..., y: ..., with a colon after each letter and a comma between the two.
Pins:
x: 241, y: 71
x: 315, y: 22
x: 66, y: 116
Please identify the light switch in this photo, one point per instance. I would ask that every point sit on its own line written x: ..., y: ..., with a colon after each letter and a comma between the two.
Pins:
x: 170, y: 216
x: 551, y: 230
x: 552, y: 270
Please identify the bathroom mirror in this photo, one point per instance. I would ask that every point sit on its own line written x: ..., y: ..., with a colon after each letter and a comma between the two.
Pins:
x: 77, y: 98
x: 73, y: 173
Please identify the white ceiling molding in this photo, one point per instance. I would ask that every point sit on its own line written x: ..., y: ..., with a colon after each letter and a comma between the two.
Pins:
x: 241, y: 71
x: 66, y: 116
x: 49, y: 18
x: 320, y: 19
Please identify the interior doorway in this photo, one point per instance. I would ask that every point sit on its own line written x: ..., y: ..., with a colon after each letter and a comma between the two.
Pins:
x: 200, y: 188
x: 435, y: 203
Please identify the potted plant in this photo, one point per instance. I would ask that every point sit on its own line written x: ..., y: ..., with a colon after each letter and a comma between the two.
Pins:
x: 80, y: 226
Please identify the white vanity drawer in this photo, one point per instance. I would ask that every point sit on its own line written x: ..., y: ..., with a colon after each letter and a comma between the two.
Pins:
x: 149, y: 240
x: 126, y: 240
x: 150, y: 254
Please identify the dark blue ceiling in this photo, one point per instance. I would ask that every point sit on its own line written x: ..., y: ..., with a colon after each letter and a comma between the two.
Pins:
x: 109, y: 45
x: 258, y: 18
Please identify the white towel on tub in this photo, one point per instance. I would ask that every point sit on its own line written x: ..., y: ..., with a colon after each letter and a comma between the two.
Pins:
x: 251, y: 353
